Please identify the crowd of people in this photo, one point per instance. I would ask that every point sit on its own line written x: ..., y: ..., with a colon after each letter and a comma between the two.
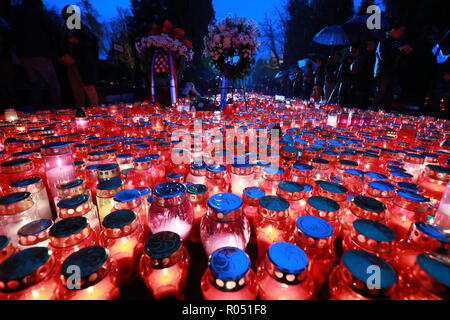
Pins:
x: 35, y: 43
x: 367, y: 75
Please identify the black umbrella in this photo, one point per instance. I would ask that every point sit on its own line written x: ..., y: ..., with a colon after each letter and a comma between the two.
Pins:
x: 332, y: 36
x: 357, y: 29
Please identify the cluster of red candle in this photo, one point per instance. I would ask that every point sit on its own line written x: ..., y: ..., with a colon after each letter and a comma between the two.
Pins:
x: 97, y: 202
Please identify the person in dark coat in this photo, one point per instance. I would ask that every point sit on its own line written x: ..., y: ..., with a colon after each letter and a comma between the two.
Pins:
x: 37, y: 38
x: 331, y: 71
x: 319, y: 80
x: 308, y: 81
x: 362, y: 72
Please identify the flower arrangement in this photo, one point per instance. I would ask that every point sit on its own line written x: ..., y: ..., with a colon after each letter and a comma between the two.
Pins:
x: 231, y: 45
x: 166, y: 38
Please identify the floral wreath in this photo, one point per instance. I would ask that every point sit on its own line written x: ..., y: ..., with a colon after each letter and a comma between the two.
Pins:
x: 231, y: 45
x: 166, y: 38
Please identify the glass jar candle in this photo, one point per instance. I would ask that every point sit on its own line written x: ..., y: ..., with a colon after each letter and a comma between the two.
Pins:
x: 92, y: 181
x: 293, y: 193
x: 123, y: 235
x: 368, y: 161
x: 381, y: 190
x: 164, y: 266
x: 99, y: 275
x: 414, y: 164
x: 35, y: 186
x: 407, y: 208
x: 174, y: 177
x: 426, y: 280
x: 258, y: 170
x: 16, y: 210
x: 353, y: 180
x: 374, y: 176
x: 79, y: 206
x: 422, y: 238
x: 224, y: 224
x: 198, y: 196
x: 131, y: 200
x: 242, y: 177
x: 71, y: 189
x: 106, y: 191
x: 400, y: 176
x: 229, y: 276
x: 442, y: 217
x: 97, y: 158
x: 7, y: 248
x: 16, y: 169
x: 284, y: 275
x: 251, y: 198
x: 362, y: 207
x: 108, y: 171
x: 197, y: 173
x: 322, y: 169
x: 301, y: 173
x: 433, y: 182
x: 171, y: 210
x: 350, y: 280
x: 271, y: 177
x: 315, y: 236
x: 59, y: 165
x: 140, y: 176
x: 288, y: 157
x: 34, y: 234
x: 70, y: 235
x: 338, y: 174
x: 125, y: 161
x: 326, y: 209
x: 217, y: 179
x: 334, y: 191
x: 30, y: 274
x: 371, y: 236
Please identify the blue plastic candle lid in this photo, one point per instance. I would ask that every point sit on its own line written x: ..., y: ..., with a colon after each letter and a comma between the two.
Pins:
x: 290, y: 186
x: 21, y: 154
x: 110, y: 184
x: 369, y: 204
x: 68, y: 227
x: 217, y: 168
x: 225, y: 202
x: 382, y: 185
x: 323, y: 204
x: 143, y: 159
x: 314, y: 227
x: 274, y: 203
x: 89, y: 260
x: 119, y: 219
x: 34, y: 227
x: 54, y: 145
x: 229, y: 264
x: 374, y: 230
x: 254, y: 192
x: 107, y: 167
x: 287, y: 258
x: 331, y: 186
x: 359, y: 263
x: 302, y: 166
x: 124, y: 155
x: 354, y: 172
x: 433, y: 231
x: 198, y: 166
x: 262, y: 163
x: 25, y: 182
x: 92, y: 167
x: 348, y: 163
x: 162, y: 245
x: 174, y: 175
x: 197, y: 189
x: 4, y: 241
x: 408, y: 186
x: 441, y: 169
x: 72, y: 184
x: 14, y: 197
x: 412, y: 196
x: 23, y: 263
x: 273, y: 170
x: 289, y: 149
x: 73, y: 202
x: 127, y: 195
x: 376, y: 175
x: 320, y: 161
x: 96, y: 153
x: 169, y: 190
x: 401, y: 174
x: 436, y: 266
x: 16, y: 162
x: 143, y: 191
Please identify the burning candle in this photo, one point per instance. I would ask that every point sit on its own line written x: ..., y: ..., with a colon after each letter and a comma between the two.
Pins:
x: 229, y: 276
x: 350, y: 279
x: 242, y: 177
x: 197, y: 173
x: 16, y: 169
x: 106, y: 190
x: 79, y: 206
x: 123, y: 236
x: 224, y: 224
x: 198, y: 196
x: 301, y: 172
x: 164, y: 266
x: 99, y: 275
x: 283, y: 275
x: 30, y: 274
x: 217, y: 179
x: 131, y: 200
x: 271, y: 177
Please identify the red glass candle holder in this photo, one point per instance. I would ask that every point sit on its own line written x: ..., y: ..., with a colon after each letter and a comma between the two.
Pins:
x: 284, y: 275
x: 271, y: 177
x: 241, y: 177
x: 123, y: 236
x: 296, y: 195
x: 14, y: 170
x: 35, y: 186
x: 326, y: 209
x: 7, y: 248
x: 99, y: 275
x: 433, y: 182
x: 301, y: 173
x: 30, y: 274
x: 217, y: 179
x: 350, y: 279
x: 34, y: 234
x: 164, y: 266
x: 80, y: 206
x: 131, y: 200
x: 229, y: 276
x: 251, y: 198
x: 197, y: 173
x: 198, y: 196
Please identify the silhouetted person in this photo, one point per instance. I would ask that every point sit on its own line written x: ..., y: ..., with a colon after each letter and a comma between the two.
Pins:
x: 346, y: 78
x: 297, y: 83
x: 319, y: 80
x: 362, y: 72
x: 331, y: 71
x: 308, y: 80
x: 36, y: 38
x: 388, y: 55
x: 81, y: 58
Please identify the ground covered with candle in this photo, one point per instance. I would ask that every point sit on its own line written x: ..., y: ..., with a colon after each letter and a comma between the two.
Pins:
x: 271, y: 200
